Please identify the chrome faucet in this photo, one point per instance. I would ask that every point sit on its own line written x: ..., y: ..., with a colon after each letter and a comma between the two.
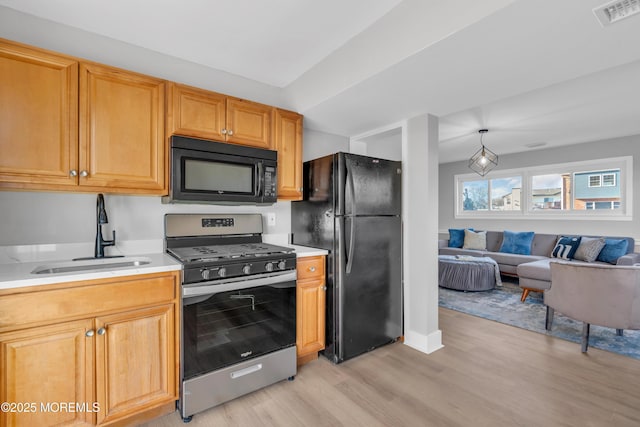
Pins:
x: 101, y: 218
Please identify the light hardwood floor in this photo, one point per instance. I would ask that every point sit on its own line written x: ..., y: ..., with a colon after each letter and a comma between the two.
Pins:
x: 488, y: 374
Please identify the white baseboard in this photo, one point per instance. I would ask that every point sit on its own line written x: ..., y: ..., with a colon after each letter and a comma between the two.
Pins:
x: 424, y: 343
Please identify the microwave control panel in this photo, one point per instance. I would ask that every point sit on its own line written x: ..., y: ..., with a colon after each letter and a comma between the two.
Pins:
x: 269, y: 181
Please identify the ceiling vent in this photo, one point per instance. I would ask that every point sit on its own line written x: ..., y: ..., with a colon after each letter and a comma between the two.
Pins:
x: 615, y: 11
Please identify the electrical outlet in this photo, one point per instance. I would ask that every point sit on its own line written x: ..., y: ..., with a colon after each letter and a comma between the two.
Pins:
x: 271, y: 219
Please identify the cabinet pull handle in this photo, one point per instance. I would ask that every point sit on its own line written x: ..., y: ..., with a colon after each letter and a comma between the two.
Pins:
x: 223, y: 131
x: 102, y: 331
x: 89, y: 333
x: 84, y: 173
x: 312, y: 269
x: 73, y: 172
x: 230, y: 132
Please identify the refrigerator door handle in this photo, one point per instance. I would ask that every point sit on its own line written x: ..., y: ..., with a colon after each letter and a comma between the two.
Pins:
x: 352, y: 188
x: 352, y: 238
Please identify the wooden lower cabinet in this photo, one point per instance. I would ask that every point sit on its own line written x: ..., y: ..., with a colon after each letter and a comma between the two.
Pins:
x: 115, y: 366
x: 42, y: 367
x: 310, y: 306
x: 134, y: 362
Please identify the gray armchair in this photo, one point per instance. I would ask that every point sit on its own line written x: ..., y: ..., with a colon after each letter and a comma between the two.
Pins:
x: 598, y: 294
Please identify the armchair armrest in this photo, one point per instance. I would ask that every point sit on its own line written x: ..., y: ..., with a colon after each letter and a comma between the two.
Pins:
x: 629, y: 259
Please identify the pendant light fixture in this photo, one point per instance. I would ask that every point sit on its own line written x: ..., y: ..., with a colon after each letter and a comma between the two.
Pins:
x: 484, y: 159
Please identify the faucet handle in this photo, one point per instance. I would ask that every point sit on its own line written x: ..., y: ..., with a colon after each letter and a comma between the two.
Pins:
x: 111, y: 242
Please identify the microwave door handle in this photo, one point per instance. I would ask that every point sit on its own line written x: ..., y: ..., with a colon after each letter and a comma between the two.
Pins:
x: 260, y: 179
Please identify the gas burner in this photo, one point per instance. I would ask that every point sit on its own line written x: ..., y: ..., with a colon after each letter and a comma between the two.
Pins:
x: 221, y: 253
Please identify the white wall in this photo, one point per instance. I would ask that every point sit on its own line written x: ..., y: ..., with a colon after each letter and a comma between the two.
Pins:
x: 626, y: 146
x: 39, y: 218
x: 28, y: 29
x: 319, y: 144
x: 30, y: 218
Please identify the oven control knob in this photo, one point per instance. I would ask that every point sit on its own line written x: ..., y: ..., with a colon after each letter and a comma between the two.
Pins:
x: 222, y: 272
x: 282, y: 265
x: 246, y: 269
x: 269, y: 266
x: 205, y: 274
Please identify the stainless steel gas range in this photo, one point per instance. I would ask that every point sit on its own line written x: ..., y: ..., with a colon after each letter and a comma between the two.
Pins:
x: 238, y: 307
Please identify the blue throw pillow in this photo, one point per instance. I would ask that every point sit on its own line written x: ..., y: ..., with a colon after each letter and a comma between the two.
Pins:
x: 566, y: 247
x: 456, y: 237
x: 613, y: 249
x: 517, y: 242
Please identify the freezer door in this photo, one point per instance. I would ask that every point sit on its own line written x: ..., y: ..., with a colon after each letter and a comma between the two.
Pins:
x: 368, y: 286
x: 368, y: 186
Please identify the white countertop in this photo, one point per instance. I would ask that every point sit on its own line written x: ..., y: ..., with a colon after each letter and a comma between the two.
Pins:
x: 304, y: 251
x: 19, y: 274
x: 16, y: 270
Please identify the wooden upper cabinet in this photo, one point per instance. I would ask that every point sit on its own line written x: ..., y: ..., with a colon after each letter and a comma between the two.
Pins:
x: 288, y: 143
x: 38, y: 117
x: 209, y: 115
x: 122, y: 144
x: 195, y: 112
x: 248, y: 123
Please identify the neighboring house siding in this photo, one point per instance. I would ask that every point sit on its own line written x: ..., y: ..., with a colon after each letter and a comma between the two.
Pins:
x: 584, y: 192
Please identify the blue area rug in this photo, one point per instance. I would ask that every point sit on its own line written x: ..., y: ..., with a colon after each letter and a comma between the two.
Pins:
x: 503, y: 305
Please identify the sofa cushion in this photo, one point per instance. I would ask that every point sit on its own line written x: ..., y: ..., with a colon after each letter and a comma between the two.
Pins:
x: 566, y: 247
x: 539, y: 270
x: 613, y: 249
x: 456, y: 237
x: 589, y: 248
x: 517, y: 242
x: 513, y: 259
x: 475, y: 240
x: 460, y: 251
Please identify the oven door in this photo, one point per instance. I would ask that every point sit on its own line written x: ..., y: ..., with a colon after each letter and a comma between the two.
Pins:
x: 236, y: 320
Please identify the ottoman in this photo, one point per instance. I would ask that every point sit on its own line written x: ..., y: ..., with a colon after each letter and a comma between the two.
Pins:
x: 467, y: 273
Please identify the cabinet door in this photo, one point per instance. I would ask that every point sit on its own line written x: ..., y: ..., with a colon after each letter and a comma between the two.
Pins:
x: 135, y: 362
x: 288, y: 143
x: 195, y: 112
x: 38, y: 118
x: 248, y: 123
x: 310, y: 306
x: 46, y: 366
x: 122, y: 146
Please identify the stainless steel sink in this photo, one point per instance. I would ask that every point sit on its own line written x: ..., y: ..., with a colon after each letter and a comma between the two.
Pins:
x: 89, y: 265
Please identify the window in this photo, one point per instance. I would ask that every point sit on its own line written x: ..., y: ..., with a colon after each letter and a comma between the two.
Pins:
x: 499, y: 194
x: 608, y: 180
x: 603, y: 180
x: 582, y: 190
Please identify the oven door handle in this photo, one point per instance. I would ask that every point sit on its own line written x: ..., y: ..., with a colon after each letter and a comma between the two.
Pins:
x: 211, y: 288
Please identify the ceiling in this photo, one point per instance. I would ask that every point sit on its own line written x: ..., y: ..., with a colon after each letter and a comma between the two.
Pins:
x: 536, y: 73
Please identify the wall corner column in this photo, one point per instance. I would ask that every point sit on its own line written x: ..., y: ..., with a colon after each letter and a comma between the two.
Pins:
x: 420, y: 216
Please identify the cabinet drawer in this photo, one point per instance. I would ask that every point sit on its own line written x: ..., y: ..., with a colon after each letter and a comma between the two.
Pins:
x: 310, y: 267
x: 85, y: 300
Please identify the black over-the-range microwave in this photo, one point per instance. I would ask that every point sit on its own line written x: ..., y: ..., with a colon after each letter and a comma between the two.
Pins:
x: 204, y: 171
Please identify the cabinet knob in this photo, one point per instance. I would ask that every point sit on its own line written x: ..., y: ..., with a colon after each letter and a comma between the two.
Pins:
x: 73, y: 172
x: 89, y: 333
x: 84, y: 173
x: 102, y: 331
x: 324, y: 288
x: 223, y: 131
x: 230, y: 132
x: 312, y: 269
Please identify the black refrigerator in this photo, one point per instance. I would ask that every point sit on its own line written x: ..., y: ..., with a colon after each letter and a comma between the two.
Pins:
x: 352, y: 208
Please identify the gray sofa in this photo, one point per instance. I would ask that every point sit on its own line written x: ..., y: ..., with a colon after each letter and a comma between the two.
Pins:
x: 533, y: 271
